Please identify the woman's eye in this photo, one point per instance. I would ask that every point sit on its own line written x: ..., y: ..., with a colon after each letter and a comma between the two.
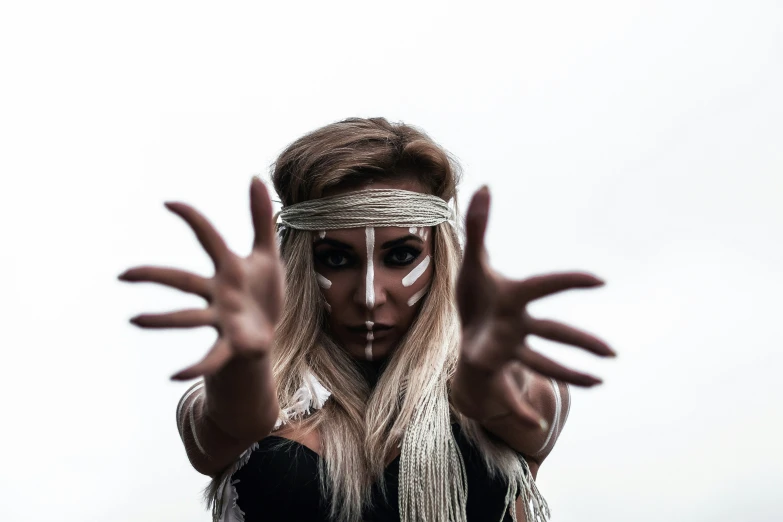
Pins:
x: 336, y: 260
x: 403, y: 256
x: 333, y: 259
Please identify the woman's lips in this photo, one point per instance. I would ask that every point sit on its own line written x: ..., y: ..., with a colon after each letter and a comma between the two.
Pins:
x: 379, y: 331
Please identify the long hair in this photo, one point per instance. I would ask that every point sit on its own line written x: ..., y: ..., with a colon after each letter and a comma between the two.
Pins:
x: 360, y: 426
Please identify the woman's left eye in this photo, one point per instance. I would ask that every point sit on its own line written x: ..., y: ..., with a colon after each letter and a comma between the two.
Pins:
x: 402, y: 256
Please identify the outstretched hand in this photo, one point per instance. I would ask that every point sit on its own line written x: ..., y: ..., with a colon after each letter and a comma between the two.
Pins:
x: 244, y: 297
x: 496, y: 324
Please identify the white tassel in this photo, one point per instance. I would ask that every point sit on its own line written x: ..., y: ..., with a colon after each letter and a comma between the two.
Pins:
x: 224, y: 507
x: 311, y: 396
x: 536, y: 508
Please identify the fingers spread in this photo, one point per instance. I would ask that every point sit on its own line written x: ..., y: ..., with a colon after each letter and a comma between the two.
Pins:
x: 261, y: 212
x: 180, y: 319
x: 215, y: 359
x: 179, y: 279
x: 544, y: 285
x: 546, y: 366
x: 207, y: 235
x: 563, y: 333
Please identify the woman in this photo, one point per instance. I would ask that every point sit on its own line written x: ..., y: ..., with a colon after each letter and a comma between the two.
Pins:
x: 349, y: 380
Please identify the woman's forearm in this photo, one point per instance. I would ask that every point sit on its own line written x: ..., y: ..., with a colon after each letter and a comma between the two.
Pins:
x: 241, y: 398
x: 221, y: 417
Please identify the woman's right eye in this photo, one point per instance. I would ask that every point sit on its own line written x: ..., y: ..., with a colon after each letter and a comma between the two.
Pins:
x: 333, y: 259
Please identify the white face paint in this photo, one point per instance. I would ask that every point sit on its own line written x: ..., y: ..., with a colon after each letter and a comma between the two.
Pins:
x: 369, y: 234
x: 368, y: 346
x: 369, y: 283
x: 322, y: 234
x: 323, y: 282
x: 416, y: 273
x: 415, y: 298
x: 412, y: 230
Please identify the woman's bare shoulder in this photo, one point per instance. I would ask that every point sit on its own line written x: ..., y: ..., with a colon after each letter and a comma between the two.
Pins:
x: 304, y: 435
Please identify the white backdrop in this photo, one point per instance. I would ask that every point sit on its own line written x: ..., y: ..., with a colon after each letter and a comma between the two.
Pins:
x: 637, y: 140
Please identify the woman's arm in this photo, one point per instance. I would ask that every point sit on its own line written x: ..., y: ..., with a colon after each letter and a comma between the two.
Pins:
x: 222, y: 416
x: 236, y: 403
x: 512, y: 390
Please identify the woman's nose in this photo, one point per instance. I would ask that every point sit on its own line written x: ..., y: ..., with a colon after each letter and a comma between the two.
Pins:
x: 370, y: 292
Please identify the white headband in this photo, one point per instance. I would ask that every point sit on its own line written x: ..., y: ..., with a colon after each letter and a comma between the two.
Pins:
x: 367, y: 208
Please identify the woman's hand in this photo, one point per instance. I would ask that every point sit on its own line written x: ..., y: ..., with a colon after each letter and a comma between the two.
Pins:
x: 496, y: 324
x: 244, y: 297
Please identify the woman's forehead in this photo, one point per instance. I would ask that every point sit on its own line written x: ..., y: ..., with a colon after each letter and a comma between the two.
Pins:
x: 357, y: 236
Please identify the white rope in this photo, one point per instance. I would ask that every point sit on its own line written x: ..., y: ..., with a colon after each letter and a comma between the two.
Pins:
x: 433, y: 482
x: 367, y: 208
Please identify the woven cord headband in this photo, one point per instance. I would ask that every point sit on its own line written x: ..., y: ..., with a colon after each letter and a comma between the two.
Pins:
x: 367, y: 208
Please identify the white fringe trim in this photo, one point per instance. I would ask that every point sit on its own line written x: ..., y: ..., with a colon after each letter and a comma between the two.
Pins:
x: 311, y: 396
x: 534, y: 504
x: 225, y: 508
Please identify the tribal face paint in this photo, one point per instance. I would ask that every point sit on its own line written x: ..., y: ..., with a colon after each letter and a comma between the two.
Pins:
x: 374, y: 280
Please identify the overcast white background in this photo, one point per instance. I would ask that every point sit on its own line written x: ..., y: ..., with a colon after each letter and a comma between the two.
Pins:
x: 640, y: 141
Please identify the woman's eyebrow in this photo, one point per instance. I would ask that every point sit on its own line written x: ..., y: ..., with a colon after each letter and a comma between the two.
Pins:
x: 333, y: 242
x: 401, y: 240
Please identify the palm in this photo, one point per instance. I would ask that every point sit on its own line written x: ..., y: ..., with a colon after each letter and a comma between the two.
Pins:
x: 495, y: 321
x: 244, y: 296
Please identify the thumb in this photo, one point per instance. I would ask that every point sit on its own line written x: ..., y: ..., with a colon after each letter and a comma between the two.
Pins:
x: 476, y: 227
x: 261, y: 212
x: 471, y: 284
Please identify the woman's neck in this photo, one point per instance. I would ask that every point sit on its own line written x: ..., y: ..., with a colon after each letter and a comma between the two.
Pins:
x: 371, y: 370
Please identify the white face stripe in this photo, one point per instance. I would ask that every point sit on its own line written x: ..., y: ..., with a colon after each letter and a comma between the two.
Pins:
x: 323, y: 282
x: 416, y: 273
x: 415, y: 298
x: 322, y: 234
x: 369, y: 283
x: 368, y: 346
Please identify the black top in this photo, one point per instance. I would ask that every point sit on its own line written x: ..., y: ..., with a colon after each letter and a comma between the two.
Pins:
x: 280, y: 483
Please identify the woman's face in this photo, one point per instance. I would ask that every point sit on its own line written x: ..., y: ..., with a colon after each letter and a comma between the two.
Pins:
x: 373, y: 280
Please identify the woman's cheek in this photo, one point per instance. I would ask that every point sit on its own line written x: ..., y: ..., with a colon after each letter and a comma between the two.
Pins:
x: 416, y: 282
x: 326, y: 285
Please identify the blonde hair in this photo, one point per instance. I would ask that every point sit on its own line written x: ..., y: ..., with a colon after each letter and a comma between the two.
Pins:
x: 360, y: 426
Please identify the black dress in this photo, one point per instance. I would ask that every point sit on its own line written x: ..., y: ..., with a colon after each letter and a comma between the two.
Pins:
x: 280, y: 483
